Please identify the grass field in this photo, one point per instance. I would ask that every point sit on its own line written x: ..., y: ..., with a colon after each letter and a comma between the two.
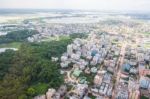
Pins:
x: 11, y: 45
x: 147, y: 33
x: 147, y: 45
x: 56, y: 38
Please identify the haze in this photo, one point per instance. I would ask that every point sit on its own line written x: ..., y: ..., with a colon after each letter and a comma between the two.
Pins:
x: 127, y: 5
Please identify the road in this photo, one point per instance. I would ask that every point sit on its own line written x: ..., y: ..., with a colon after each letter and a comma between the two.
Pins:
x: 118, y: 66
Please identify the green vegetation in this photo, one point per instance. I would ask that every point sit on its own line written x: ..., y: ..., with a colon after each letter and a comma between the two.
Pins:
x: 50, y: 38
x: 144, y: 97
x: 11, y: 45
x: 89, y: 77
x: 91, y: 96
x: 40, y: 88
x: 17, y: 36
x: 147, y: 45
x: 148, y: 76
x: 147, y: 33
x: 55, y: 38
x: 5, y: 62
x: 78, y: 35
x: 114, y: 42
x: 29, y: 71
x: 30, y: 66
x: 31, y: 91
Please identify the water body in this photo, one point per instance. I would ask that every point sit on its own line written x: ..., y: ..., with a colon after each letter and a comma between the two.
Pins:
x: 3, y: 33
x: 4, y: 49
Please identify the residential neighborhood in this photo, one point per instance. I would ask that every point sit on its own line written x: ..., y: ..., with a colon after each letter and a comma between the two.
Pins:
x: 104, y: 66
x: 74, y: 54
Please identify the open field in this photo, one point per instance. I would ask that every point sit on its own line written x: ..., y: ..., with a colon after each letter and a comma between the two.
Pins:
x: 11, y: 45
x: 147, y: 45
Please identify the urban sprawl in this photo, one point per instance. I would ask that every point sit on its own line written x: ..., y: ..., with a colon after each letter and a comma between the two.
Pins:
x: 112, y: 62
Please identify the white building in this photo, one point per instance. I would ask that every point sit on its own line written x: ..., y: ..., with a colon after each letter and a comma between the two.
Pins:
x: 50, y: 93
x: 69, y: 49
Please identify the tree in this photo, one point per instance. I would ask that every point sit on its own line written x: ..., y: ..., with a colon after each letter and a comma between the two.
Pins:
x: 31, y: 65
x: 17, y: 36
x: 31, y: 91
x: 5, y: 62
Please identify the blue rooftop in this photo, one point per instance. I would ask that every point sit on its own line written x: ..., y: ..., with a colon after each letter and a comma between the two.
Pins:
x: 144, y: 83
x: 126, y: 67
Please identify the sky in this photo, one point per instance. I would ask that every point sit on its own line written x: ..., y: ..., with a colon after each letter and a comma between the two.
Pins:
x: 137, y: 5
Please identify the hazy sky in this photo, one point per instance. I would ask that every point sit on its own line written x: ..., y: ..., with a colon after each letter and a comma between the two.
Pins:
x: 142, y: 5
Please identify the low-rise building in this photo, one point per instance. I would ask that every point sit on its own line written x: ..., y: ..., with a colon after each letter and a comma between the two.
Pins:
x: 50, y: 93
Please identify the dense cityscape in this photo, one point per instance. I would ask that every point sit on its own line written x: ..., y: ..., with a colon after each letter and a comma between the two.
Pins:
x: 74, y: 55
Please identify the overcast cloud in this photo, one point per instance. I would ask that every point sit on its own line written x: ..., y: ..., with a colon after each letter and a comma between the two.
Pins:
x: 140, y: 5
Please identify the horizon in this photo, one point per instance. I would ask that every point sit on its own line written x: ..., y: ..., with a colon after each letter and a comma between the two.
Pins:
x: 65, y: 9
x: 98, y: 5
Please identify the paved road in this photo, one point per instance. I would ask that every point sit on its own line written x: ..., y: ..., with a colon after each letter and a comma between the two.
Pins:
x: 118, y: 67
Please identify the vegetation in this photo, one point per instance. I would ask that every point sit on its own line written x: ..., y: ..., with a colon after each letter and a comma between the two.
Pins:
x: 31, y: 65
x: 114, y: 79
x: 148, y: 76
x: 91, y: 96
x: 147, y: 45
x: 144, y: 97
x: 40, y: 88
x: 89, y: 77
x: 5, y: 62
x: 11, y: 45
x: 17, y: 36
x: 29, y: 71
x: 78, y: 35
x: 146, y: 33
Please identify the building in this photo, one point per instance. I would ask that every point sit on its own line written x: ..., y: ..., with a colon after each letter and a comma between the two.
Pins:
x: 122, y: 95
x: 105, y: 89
x: 40, y: 97
x: 69, y: 49
x: 50, y: 93
x: 144, y: 72
x: 134, y: 95
x: 81, y: 90
x: 77, y: 72
x: 64, y: 64
x: 54, y: 59
x: 94, y: 70
x: 144, y: 82
x: 98, y: 80
x: 62, y: 90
